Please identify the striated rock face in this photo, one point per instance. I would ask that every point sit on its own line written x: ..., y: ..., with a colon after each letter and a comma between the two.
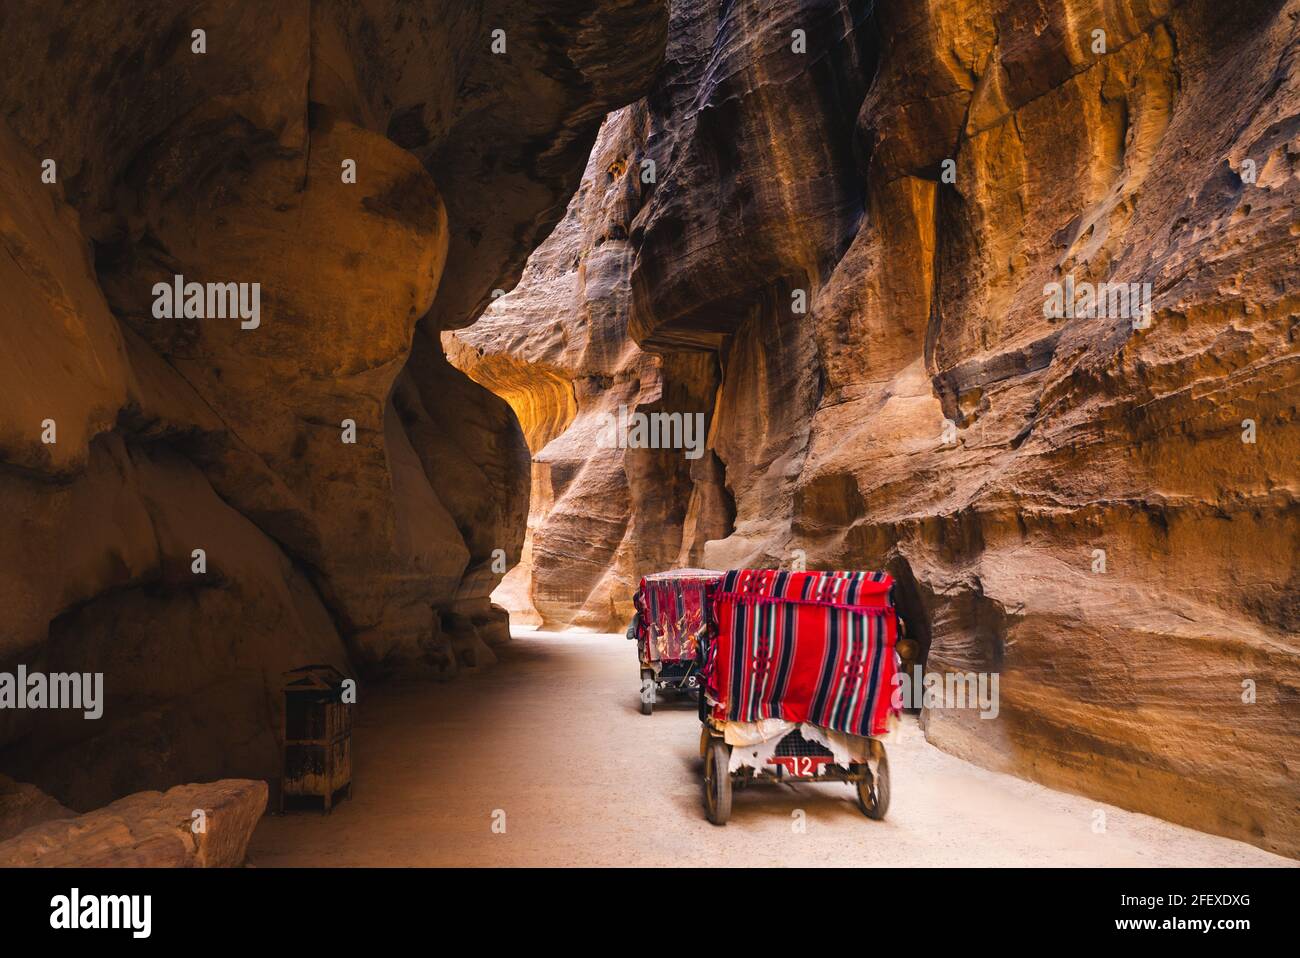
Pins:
x: 1104, y: 515
x: 355, y: 498
x: 190, y: 826
x: 557, y: 349
x: 693, y: 222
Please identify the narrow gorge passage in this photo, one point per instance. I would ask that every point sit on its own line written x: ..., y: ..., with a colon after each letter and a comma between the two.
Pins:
x: 553, y: 737
x: 343, y: 342
x: 995, y: 298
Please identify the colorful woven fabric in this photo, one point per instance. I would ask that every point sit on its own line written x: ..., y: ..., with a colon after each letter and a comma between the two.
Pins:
x: 673, y: 614
x: 804, y: 647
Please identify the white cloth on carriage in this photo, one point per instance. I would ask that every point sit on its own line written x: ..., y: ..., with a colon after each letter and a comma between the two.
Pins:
x: 753, y: 743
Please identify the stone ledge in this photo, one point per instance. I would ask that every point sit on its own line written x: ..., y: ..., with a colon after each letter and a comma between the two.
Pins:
x: 148, y: 829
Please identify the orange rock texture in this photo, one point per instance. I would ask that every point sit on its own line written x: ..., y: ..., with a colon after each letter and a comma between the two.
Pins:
x: 206, y: 825
x: 354, y: 497
x: 1101, y: 508
x: 557, y: 349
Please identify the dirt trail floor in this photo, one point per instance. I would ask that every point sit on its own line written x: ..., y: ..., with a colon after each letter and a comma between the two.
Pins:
x: 551, y: 743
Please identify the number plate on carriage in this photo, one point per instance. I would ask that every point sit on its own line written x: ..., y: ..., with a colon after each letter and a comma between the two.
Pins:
x: 801, y: 766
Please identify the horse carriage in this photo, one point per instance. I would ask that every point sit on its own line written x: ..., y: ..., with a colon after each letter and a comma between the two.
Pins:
x: 798, y: 684
x: 795, y: 673
x: 670, y: 626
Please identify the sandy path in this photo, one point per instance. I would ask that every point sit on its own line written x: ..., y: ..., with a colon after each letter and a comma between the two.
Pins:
x: 553, y: 737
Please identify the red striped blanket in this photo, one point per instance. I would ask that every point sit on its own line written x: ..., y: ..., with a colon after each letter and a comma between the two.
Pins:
x: 804, y: 647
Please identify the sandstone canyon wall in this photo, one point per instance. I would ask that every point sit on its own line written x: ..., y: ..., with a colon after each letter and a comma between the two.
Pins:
x: 128, y: 440
x: 1103, y: 515
x: 557, y: 349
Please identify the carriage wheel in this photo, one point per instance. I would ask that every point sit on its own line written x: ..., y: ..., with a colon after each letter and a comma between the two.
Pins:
x: 647, y: 692
x: 873, y: 790
x: 717, y: 782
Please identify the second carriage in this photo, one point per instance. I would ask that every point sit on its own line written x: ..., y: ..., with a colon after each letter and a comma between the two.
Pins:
x: 670, y: 628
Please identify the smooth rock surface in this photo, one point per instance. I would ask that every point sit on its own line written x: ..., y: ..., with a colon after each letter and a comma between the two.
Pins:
x: 227, y: 166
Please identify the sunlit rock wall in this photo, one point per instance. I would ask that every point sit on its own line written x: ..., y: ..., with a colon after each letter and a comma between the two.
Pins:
x: 557, y: 349
x: 1104, y: 515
